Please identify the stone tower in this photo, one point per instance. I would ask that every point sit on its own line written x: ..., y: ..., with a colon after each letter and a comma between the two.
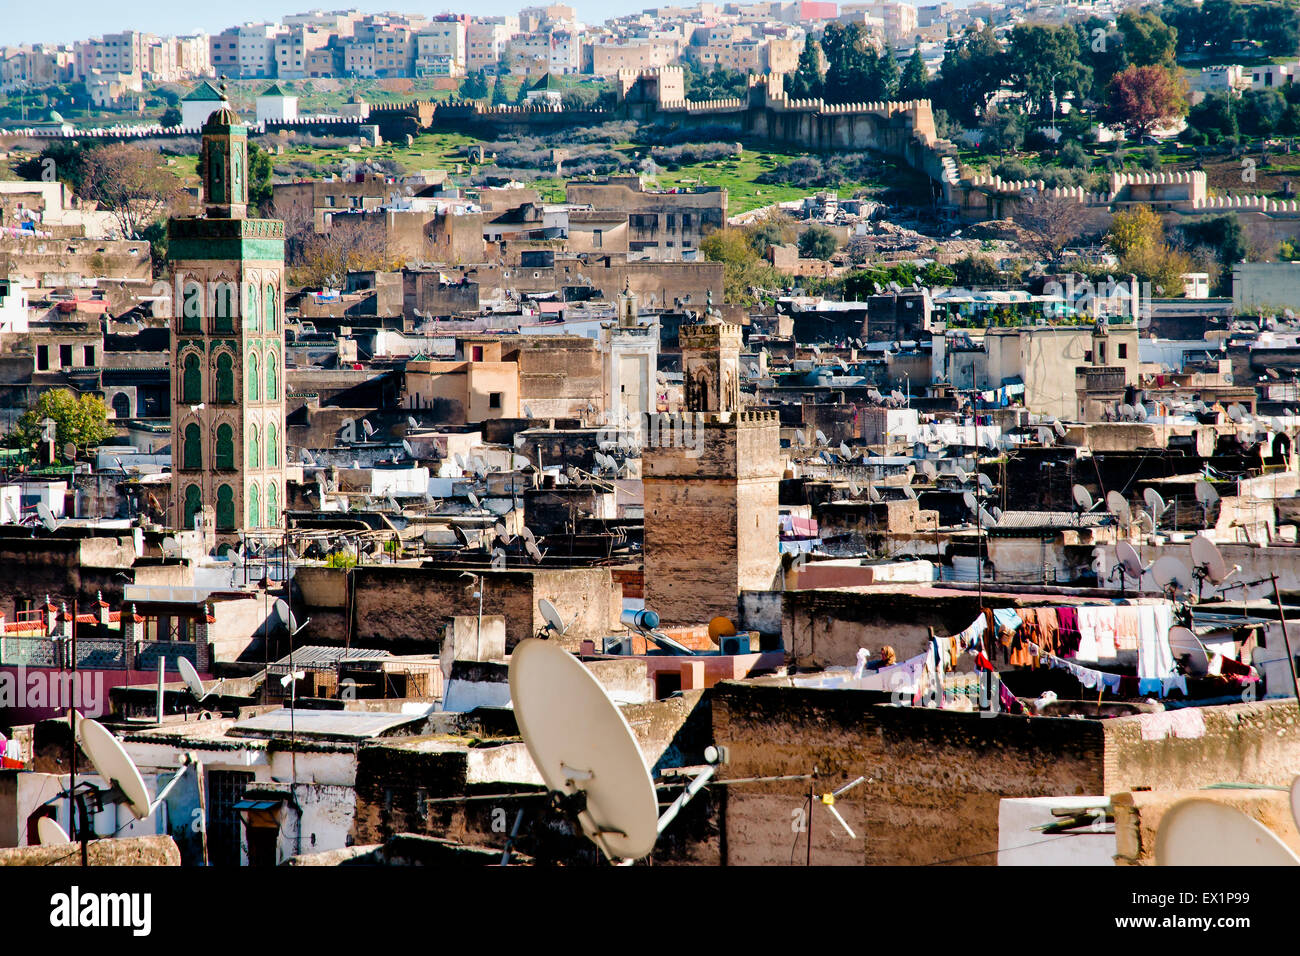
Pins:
x: 711, y: 365
x: 227, y: 349
x: 711, y: 479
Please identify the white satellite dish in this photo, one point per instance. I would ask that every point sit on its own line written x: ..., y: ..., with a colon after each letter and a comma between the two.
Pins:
x: 1206, y: 494
x: 1207, y: 559
x: 873, y: 493
x: 928, y: 469
x: 49, y: 833
x: 1184, y: 643
x: 800, y: 438
x: 114, y: 764
x: 1200, y: 832
x: 1129, y: 561
x: 191, y: 678
x: 46, y: 515
x: 985, y: 482
x: 554, y: 620
x: 1155, y: 503
x: 1118, y: 506
x: 968, y: 499
x: 1046, y: 437
x: 986, y: 519
x: 821, y: 437
x: 1059, y: 429
x: 473, y: 500
x: 584, y: 749
x: 844, y: 450
x: 1171, y: 575
x: 1082, y: 498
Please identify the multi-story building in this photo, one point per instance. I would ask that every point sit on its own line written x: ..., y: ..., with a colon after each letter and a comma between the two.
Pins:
x: 440, y: 48
x: 246, y: 52
x: 227, y: 354
x: 486, y: 39
x: 899, y: 20
x: 608, y: 56
x: 114, y: 53
x: 546, y: 51
x: 293, y: 49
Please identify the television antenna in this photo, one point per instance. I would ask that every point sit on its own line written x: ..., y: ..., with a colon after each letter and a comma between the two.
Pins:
x: 1128, y: 565
x: 1156, y: 506
x: 1208, y: 564
x: 192, y: 681
x: 1117, y: 505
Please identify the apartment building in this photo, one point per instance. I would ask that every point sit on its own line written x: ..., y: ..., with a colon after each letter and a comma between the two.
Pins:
x: 40, y: 65
x: 246, y: 52
x: 607, y: 56
x: 440, y: 48
x: 114, y: 53
x: 293, y: 50
x: 555, y: 51
x: 899, y: 20
x: 486, y: 38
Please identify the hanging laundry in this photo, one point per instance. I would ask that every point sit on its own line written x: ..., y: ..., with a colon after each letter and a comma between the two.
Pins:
x: 1068, y: 637
x: 1155, y: 659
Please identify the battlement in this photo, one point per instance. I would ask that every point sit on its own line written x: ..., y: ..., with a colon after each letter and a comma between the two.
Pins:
x: 704, y: 336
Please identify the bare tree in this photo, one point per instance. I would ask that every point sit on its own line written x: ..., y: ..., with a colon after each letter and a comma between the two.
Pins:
x: 1049, y: 223
x: 130, y: 183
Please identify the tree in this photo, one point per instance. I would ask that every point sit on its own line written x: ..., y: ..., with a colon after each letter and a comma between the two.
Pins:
x: 774, y: 229
x: 260, y: 171
x: 1216, y: 114
x: 1222, y: 234
x: 131, y: 183
x: 1148, y: 40
x: 915, y: 80
x: 887, y: 71
x: 1160, y: 266
x: 805, y: 83
x: 1050, y: 223
x: 1142, y: 98
x: 1044, y: 62
x: 973, y: 69
x: 171, y: 117
x: 355, y: 242
x: 1002, y: 131
x: 817, y: 242
x: 1133, y: 230
x: 474, y: 86
x: 499, y: 95
x: 743, y: 270
x: 81, y: 420
x: 972, y: 270
x: 852, y: 75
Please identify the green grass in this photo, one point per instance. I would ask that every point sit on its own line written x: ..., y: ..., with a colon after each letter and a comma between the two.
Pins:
x: 738, y: 177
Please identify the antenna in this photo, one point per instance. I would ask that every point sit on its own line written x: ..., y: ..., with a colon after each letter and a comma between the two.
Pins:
x: 192, y: 681
x: 1208, y: 563
x: 114, y: 764
x: 47, y: 516
x: 1155, y: 505
x: 1187, y: 647
x: 1129, y: 565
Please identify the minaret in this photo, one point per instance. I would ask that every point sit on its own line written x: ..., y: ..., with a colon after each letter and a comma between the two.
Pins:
x: 227, y: 349
x: 710, y: 479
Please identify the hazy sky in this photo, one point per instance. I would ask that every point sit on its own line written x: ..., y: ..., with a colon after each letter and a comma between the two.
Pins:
x: 62, y: 21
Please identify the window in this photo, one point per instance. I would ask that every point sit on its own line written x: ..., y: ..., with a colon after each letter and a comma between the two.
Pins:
x: 193, y: 502
x: 272, y: 505
x: 597, y: 239
x: 223, y: 307
x: 254, y: 382
x: 225, y: 507
x: 269, y: 303
x: 272, y: 447
x: 478, y: 353
x: 225, y: 447
x: 88, y: 356
x: 494, y: 399
x: 191, y: 381
x: 192, y: 308
x: 65, y: 356
x: 225, y: 378
x: 272, y: 377
x: 254, y: 507
x: 42, y: 358
x: 193, y: 446
x: 1123, y: 350
x: 250, y: 307
x: 254, y: 449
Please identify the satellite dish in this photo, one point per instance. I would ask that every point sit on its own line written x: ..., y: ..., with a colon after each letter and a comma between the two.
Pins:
x: 1208, y: 561
x: 844, y: 451
x: 368, y: 428
x: 1199, y: 832
x: 461, y: 538
x: 1046, y: 437
x: 1155, y: 503
x: 584, y: 749
x: 986, y: 519
x: 112, y: 762
x: 908, y: 492
x: 1183, y: 643
x: 1129, y: 561
x: 968, y: 499
x: 800, y: 438
x: 473, y: 500
x: 1140, y: 412
x: 69, y: 451
x: 1236, y: 412
x: 46, y: 515
x: 873, y: 493
x: 1206, y: 494
x: 1118, y: 506
x: 821, y: 437
x: 534, y: 552
x: 985, y: 482
x: 1172, y: 575
x: 49, y: 833
x: 1100, y: 563
x: 1126, y: 413
x: 191, y: 678
x: 1059, y: 429
x: 554, y: 621
x: 1082, y: 498
x: 928, y: 469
